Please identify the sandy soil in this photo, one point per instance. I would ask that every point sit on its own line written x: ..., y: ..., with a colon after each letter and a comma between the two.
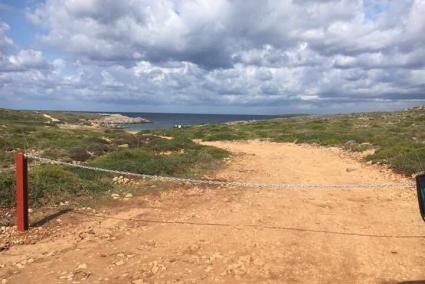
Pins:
x: 208, y: 235
x: 52, y: 119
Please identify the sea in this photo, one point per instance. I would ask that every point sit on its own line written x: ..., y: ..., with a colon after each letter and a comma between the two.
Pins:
x: 170, y: 120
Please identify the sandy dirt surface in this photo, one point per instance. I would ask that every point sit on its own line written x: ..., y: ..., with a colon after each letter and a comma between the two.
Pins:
x: 52, y: 119
x: 193, y: 234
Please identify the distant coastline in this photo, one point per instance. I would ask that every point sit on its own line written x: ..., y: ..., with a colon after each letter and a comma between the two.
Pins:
x: 170, y: 120
x: 137, y: 121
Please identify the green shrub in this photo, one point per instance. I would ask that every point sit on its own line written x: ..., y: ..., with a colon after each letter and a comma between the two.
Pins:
x: 50, y: 184
x: 175, y: 144
x: 409, y: 163
x: 124, y: 160
x: 54, y: 153
x: 98, y: 148
x: 79, y: 153
x: 153, y: 162
x: 222, y: 136
x: 7, y: 190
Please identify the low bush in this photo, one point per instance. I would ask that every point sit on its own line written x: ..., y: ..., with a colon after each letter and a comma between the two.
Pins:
x: 7, y: 190
x: 184, y: 159
x: 97, y: 148
x: 176, y: 144
x: 50, y: 184
x: 79, y: 153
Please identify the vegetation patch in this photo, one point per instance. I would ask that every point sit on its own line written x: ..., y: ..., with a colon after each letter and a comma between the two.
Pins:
x: 50, y: 184
x: 107, y: 148
x: 177, y: 157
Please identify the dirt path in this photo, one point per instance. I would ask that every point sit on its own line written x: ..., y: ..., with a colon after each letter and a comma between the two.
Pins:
x: 206, y: 235
x: 52, y: 119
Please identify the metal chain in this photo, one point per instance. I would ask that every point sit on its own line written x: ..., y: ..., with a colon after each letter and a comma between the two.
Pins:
x: 230, y: 183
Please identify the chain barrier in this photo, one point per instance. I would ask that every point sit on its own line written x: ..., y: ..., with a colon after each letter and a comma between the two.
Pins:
x: 230, y: 183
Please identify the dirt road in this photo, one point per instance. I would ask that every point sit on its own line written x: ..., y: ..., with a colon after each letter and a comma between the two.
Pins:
x: 209, y: 235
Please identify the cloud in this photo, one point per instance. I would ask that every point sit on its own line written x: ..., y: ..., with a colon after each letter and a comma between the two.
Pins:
x: 271, y: 55
x: 5, y: 42
x: 24, y: 60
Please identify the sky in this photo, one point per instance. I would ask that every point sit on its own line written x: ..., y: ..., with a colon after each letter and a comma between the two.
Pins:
x: 216, y: 56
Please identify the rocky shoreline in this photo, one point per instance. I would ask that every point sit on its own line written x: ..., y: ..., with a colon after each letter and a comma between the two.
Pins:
x: 113, y: 120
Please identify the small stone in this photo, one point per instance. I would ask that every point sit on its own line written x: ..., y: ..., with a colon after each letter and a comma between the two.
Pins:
x: 82, y: 266
x: 30, y: 210
x: 350, y: 143
x: 4, y: 246
x: 155, y: 269
x: 121, y: 262
x: 4, y: 281
x: 128, y: 195
x: 259, y: 262
x: 79, y: 276
x: 192, y: 249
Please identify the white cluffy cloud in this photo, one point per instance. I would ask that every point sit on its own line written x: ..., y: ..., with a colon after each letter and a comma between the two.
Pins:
x: 279, y: 56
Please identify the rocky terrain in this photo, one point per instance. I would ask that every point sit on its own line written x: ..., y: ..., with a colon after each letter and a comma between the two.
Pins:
x: 108, y: 120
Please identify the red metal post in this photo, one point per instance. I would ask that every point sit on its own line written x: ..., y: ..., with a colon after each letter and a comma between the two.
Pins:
x: 21, y: 192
